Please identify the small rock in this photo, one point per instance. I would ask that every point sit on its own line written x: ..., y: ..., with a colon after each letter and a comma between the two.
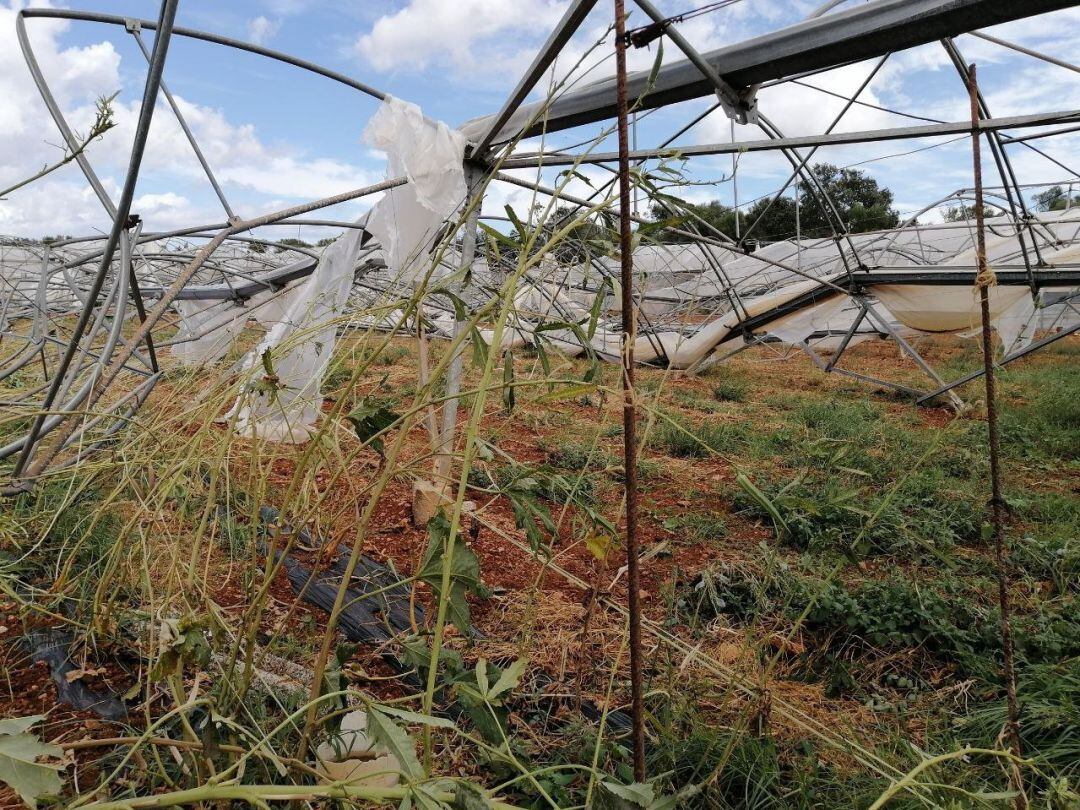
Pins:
x: 427, y: 498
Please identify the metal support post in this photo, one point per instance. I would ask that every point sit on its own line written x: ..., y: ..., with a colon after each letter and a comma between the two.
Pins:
x: 473, y: 178
x: 626, y: 261
x: 984, y: 281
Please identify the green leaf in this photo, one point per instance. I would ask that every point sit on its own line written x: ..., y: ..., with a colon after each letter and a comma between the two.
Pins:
x: 497, y: 235
x: 370, y: 420
x: 394, y: 739
x: 597, y: 305
x: 680, y: 799
x: 468, y: 796
x: 649, y: 228
x: 655, y: 71
x: 464, y: 571
x: 569, y: 392
x: 416, y: 717
x: 19, y: 767
x: 509, y: 679
x: 637, y: 793
x: 521, y: 229
x: 764, y: 502
x: 481, y: 676
x: 530, y: 515
x: 568, y: 173
x: 18, y: 725
x: 422, y: 799
x: 480, y: 347
x: 268, y: 363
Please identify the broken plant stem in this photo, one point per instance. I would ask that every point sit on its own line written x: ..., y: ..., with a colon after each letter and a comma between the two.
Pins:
x: 102, y: 124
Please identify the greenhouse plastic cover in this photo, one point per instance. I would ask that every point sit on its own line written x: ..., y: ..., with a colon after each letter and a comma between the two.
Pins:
x: 430, y: 155
x: 303, y: 321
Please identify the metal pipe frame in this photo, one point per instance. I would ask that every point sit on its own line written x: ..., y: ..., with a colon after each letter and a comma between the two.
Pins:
x: 550, y: 159
x: 792, y: 54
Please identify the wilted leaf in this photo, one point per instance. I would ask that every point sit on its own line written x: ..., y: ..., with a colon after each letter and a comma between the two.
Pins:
x: 370, y: 419
x: 509, y: 397
x: 19, y: 768
x: 598, y: 545
x: 388, y: 735
x: 464, y: 571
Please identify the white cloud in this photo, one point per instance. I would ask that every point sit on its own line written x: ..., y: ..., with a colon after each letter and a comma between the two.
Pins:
x: 257, y: 174
x: 152, y: 202
x: 467, y: 36
x: 262, y: 29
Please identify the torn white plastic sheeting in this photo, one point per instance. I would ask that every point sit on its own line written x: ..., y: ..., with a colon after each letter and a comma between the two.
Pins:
x: 835, y: 314
x: 1059, y: 308
x: 955, y: 308
x: 300, y: 342
x: 684, y: 351
x: 283, y: 406
x: 208, y: 329
x: 406, y: 219
x: 1015, y: 326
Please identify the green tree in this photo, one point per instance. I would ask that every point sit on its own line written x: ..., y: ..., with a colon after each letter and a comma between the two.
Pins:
x: 285, y: 244
x: 715, y: 213
x: 961, y: 213
x: 1054, y: 198
x: 778, y: 220
x: 863, y: 205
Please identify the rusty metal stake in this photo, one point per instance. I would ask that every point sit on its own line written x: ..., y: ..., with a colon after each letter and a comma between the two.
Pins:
x: 633, y: 585
x: 984, y: 281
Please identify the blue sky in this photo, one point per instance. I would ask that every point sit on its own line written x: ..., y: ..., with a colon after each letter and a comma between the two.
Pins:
x: 277, y: 135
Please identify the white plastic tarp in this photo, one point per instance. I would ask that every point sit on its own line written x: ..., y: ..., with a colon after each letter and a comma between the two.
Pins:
x: 283, y: 406
x: 406, y: 219
x: 955, y: 308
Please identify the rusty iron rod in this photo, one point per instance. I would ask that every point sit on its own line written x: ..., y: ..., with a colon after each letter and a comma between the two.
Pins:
x: 984, y: 280
x: 626, y: 261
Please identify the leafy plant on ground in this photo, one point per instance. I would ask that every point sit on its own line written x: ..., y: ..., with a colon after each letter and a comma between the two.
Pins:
x: 464, y: 572
x: 832, y: 505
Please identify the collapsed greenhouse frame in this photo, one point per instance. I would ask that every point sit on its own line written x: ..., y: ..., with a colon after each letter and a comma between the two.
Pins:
x: 415, y: 266
x: 793, y: 290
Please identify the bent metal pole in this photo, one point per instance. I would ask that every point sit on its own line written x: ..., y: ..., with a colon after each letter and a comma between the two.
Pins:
x: 633, y: 584
x: 119, y: 226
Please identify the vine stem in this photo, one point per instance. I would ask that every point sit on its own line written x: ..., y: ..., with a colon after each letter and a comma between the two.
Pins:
x: 909, y: 779
x: 257, y: 794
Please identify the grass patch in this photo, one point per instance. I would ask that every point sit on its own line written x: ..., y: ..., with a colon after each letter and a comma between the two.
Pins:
x: 732, y: 389
x: 698, y: 527
x: 685, y: 440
